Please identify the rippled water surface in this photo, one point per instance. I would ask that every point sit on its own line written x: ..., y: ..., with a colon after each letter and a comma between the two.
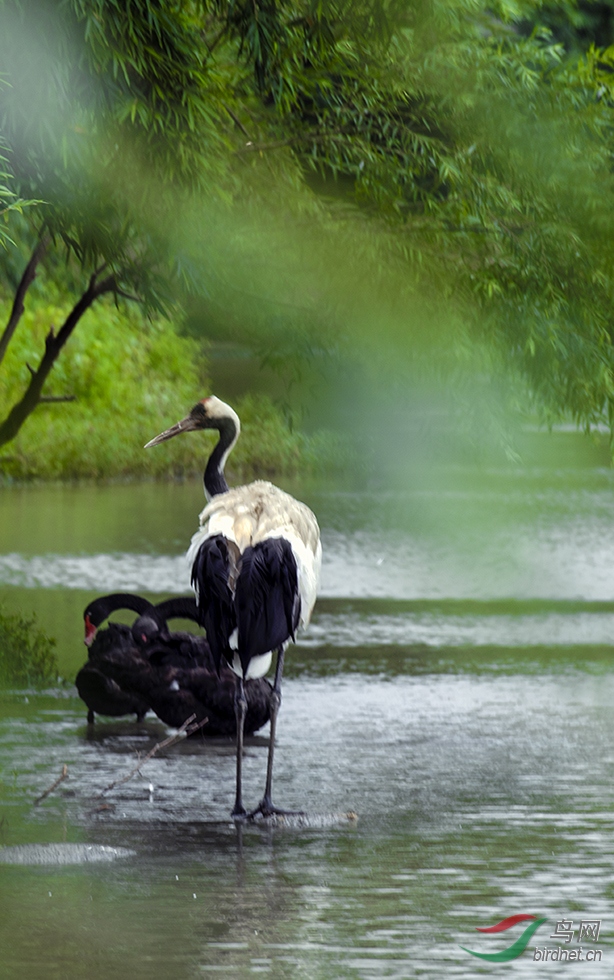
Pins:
x: 455, y: 691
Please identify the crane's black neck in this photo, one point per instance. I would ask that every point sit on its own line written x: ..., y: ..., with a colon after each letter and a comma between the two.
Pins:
x: 214, y: 479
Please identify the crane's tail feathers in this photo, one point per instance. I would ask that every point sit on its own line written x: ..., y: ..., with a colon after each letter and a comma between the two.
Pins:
x: 213, y: 572
x: 267, y: 600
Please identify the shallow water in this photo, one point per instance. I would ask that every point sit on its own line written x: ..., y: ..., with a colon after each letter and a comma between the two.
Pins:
x: 455, y: 691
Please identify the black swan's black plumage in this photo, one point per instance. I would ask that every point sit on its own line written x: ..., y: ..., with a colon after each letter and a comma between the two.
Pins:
x: 133, y: 669
x: 104, y: 696
x: 100, y: 690
x: 175, y: 692
x: 151, y: 635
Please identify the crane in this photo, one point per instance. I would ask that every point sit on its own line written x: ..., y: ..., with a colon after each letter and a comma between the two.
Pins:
x: 255, y: 571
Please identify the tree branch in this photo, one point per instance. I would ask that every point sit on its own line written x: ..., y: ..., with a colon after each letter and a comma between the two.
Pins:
x: 53, y: 347
x: 252, y: 147
x: 100, y: 269
x: 237, y: 121
x: 25, y: 282
x: 189, y: 727
x: 125, y: 295
x: 50, y: 789
x: 54, y: 399
x: 212, y: 45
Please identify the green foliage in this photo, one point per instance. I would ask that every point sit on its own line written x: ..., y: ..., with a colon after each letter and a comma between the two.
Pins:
x: 132, y: 377
x: 107, y: 108
x: 270, y: 444
x: 430, y: 180
x: 10, y: 204
x: 485, y: 156
x: 578, y: 24
x: 27, y: 655
x: 125, y: 372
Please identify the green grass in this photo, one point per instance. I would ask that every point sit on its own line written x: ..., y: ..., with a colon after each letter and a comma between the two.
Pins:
x: 132, y: 378
x: 27, y: 655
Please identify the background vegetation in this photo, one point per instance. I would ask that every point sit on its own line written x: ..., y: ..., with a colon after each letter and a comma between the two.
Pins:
x: 133, y: 376
x: 410, y: 186
x: 27, y: 655
x: 418, y: 191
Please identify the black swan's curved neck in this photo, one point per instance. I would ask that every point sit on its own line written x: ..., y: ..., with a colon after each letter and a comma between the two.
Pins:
x: 152, y: 626
x: 214, y: 479
x: 182, y: 607
x: 101, y: 608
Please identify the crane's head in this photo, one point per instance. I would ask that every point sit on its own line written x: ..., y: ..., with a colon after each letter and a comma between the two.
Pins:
x: 209, y: 413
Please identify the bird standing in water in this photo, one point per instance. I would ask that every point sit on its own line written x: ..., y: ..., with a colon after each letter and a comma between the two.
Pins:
x: 134, y: 669
x: 102, y: 693
x: 255, y: 570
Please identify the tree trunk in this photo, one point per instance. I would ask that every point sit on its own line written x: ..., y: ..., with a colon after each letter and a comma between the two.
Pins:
x: 53, y: 346
x: 24, y: 284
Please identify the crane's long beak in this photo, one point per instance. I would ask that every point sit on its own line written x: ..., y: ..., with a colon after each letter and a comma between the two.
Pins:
x: 188, y: 424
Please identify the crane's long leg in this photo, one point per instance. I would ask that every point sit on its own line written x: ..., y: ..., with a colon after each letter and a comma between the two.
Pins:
x: 266, y: 804
x: 265, y: 807
x: 240, y: 712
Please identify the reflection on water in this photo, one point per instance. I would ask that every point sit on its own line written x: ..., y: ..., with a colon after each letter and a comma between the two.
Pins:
x: 478, y: 797
x: 455, y: 690
x: 536, y: 539
x: 438, y: 630
x: 102, y: 573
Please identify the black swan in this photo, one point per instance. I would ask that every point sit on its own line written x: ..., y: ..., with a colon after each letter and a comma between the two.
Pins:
x: 173, y: 673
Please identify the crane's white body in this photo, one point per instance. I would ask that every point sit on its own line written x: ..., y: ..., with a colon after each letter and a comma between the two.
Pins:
x: 256, y: 562
x: 250, y: 514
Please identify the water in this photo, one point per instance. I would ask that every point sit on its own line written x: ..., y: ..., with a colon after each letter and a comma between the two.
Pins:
x: 455, y: 691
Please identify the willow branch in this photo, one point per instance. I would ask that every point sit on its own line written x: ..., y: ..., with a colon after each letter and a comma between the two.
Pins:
x: 125, y: 295
x: 53, y: 347
x: 252, y: 147
x: 236, y: 121
x: 25, y: 282
x: 56, y: 399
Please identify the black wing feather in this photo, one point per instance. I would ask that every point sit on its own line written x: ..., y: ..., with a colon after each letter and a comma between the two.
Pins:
x: 210, y: 574
x: 267, y: 600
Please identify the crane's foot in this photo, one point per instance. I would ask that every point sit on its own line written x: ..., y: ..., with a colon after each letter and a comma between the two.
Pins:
x: 239, y: 813
x: 266, y: 809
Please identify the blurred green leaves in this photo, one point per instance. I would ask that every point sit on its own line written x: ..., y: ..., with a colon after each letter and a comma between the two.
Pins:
x: 27, y: 654
x: 133, y: 376
x: 423, y: 183
x: 97, y: 93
